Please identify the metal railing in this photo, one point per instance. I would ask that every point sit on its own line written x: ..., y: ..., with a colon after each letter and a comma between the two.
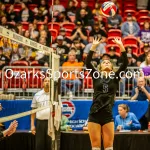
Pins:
x: 25, y: 81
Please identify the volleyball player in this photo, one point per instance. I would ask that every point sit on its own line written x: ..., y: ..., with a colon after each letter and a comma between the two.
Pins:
x: 105, y: 85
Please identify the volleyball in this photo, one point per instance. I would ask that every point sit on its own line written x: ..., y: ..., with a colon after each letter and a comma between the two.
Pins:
x: 108, y: 9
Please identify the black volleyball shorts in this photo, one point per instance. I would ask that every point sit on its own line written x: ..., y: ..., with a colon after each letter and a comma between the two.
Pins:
x: 102, y: 116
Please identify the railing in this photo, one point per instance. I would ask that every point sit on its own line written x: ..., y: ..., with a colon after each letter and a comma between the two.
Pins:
x: 25, y: 81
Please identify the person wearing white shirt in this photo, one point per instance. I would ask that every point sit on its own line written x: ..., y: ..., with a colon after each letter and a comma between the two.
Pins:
x: 41, y: 99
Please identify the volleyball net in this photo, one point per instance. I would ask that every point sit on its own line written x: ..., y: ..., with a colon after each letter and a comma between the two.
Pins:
x: 15, y: 40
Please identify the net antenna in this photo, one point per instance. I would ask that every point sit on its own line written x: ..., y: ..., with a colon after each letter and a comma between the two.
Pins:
x: 55, y: 96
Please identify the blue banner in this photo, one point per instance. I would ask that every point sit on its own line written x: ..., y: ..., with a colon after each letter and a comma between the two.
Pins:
x: 76, y: 111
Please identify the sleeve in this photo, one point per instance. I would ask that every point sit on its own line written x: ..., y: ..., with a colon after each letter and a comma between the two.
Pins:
x: 103, y: 33
x: 137, y: 29
x: 88, y: 62
x: 135, y: 123
x: 123, y: 65
x: 34, y: 103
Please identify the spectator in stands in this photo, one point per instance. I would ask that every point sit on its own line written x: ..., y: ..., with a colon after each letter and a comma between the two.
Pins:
x: 69, y: 74
x: 97, y: 31
x: 144, y: 34
x: 78, y: 48
x: 41, y: 12
x: 79, y: 32
x: 141, y: 58
x: 66, y: 40
x: 2, y: 10
x: 4, y: 61
x: 84, y: 17
x: 130, y: 27
x: 11, y: 14
x: 19, y: 29
x: 102, y: 24
x: 72, y: 7
x: 15, y: 56
x: 7, y: 46
x: 131, y: 58
x: 114, y: 22
x: 5, y: 24
x: 126, y: 120
x: 34, y: 33
x: 84, y: 5
x: 25, y: 15
x: 141, y: 92
x: 96, y: 11
x: 146, y: 63
x: 62, y: 17
x: 11, y: 129
x: 113, y: 57
x: 27, y: 34
x: 61, y: 49
x: 57, y: 8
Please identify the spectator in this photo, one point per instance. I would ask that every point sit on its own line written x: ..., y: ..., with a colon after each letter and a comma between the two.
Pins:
x: 84, y: 5
x: 102, y: 24
x: 113, y: 57
x: 4, y: 61
x: 96, y: 11
x: 2, y: 10
x: 97, y: 31
x: 141, y: 58
x: 7, y: 47
x: 66, y: 40
x: 78, y: 46
x: 15, y: 56
x: 61, y: 49
x: 84, y: 17
x: 141, y: 92
x: 19, y: 29
x: 126, y: 120
x: 130, y: 27
x: 131, y: 57
x: 79, y: 32
x: 57, y: 8
x: 71, y: 67
x: 114, y: 22
x: 25, y: 15
x: 72, y: 7
x: 27, y: 34
x: 146, y: 63
x: 11, y: 14
x: 34, y: 33
x: 42, y: 12
x: 5, y: 24
x: 62, y: 17
x: 144, y: 34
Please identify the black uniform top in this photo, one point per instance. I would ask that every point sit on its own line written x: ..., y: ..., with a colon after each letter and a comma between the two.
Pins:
x: 104, y: 88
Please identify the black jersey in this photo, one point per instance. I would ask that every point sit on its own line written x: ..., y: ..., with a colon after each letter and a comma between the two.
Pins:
x: 104, y: 88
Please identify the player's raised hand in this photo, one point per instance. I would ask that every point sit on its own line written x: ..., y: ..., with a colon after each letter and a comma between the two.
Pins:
x: 117, y: 40
x: 96, y: 41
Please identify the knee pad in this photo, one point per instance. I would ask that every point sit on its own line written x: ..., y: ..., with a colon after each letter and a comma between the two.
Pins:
x: 96, y: 148
x: 109, y: 148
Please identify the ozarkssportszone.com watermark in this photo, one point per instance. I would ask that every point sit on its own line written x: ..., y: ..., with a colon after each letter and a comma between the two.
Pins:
x: 9, y: 73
